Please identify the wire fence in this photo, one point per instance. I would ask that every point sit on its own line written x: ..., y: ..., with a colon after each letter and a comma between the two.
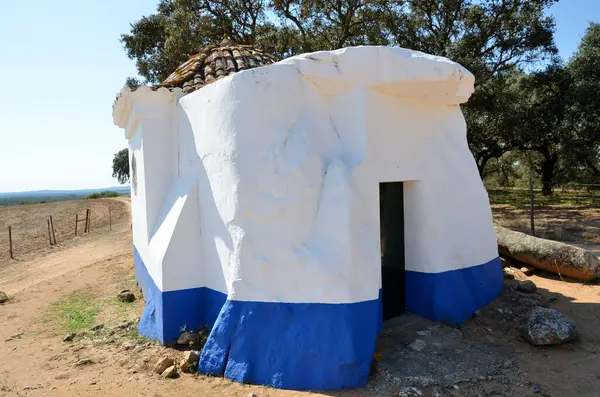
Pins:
x: 28, y: 228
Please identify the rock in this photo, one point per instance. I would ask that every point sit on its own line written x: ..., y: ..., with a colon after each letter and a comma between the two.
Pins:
x: 189, y: 339
x: 84, y: 361
x: 97, y: 328
x: 69, y: 338
x: 189, y: 362
x: 544, y: 326
x: 512, y: 273
x: 417, y: 345
x: 252, y: 395
x: 536, y: 389
x: 128, y: 345
x: 126, y: 296
x: 170, y: 372
x: 551, y: 256
x: 162, y: 364
x: 3, y: 297
x: 526, y: 286
x: 528, y: 271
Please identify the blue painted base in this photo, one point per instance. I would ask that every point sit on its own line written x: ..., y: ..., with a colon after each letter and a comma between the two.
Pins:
x: 300, y: 346
x: 305, y: 346
x: 453, y: 296
x: 167, y: 313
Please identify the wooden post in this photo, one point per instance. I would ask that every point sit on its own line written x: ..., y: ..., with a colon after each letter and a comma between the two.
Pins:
x: 89, y: 222
x: 10, y: 247
x: 109, y: 219
x: 87, y: 217
x: 76, y: 222
x: 52, y: 227
x: 49, y: 234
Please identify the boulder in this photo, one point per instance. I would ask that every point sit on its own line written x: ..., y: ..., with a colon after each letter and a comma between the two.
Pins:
x: 126, y: 296
x: 544, y: 326
x: 3, y: 297
x: 162, y: 364
x: 551, y: 256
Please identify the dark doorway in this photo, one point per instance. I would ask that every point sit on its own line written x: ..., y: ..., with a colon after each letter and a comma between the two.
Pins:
x: 391, y: 218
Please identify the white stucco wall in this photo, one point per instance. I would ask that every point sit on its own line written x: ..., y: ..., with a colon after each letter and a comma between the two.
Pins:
x: 264, y: 184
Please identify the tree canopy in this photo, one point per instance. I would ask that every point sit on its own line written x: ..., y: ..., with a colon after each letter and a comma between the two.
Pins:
x: 526, y: 100
x: 121, y: 166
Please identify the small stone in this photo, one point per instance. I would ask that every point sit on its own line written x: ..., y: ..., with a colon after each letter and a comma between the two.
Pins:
x: 189, y: 339
x: 528, y: 271
x: 170, y: 372
x: 252, y: 395
x: 69, y: 338
x: 84, y: 361
x: 536, y: 389
x: 162, y: 364
x: 18, y: 335
x: 128, y: 345
x: 544, y: 326
x: 189, y: 362
x: 527, y: 286
x: 97, y: 327
x: 418, y: 345
x: 513, y: 274
x: 3, y: 297
x: 126, y: 296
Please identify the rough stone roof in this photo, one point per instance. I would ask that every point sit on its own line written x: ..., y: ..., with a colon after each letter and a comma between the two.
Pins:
x: 215, y: 62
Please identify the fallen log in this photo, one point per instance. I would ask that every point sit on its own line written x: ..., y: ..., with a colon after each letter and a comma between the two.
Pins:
x: 551, y: 256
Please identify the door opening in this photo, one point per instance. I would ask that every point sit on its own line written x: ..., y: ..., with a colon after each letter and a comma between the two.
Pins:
x: 391, y: 224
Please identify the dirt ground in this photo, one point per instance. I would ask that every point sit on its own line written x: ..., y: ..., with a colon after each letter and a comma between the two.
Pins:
x: 72, y: 288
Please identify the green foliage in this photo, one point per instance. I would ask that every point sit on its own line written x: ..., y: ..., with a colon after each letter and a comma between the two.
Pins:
x: 102, y: 195
x: 77, y: 312
x: 121, y: 166
x: 548, y: 119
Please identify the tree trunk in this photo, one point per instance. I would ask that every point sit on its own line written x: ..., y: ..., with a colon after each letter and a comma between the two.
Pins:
x: 547, y: 172
x: 551, y: 256
x: 481, y: 163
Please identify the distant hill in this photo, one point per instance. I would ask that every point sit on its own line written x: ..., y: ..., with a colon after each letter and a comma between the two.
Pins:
x: 38, y: 196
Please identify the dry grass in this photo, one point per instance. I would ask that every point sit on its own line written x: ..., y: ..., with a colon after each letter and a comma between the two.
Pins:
x: 566, y: 216
x: 29, y: 223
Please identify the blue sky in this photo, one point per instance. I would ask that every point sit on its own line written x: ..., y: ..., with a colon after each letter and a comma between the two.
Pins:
x: 61, y: 64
